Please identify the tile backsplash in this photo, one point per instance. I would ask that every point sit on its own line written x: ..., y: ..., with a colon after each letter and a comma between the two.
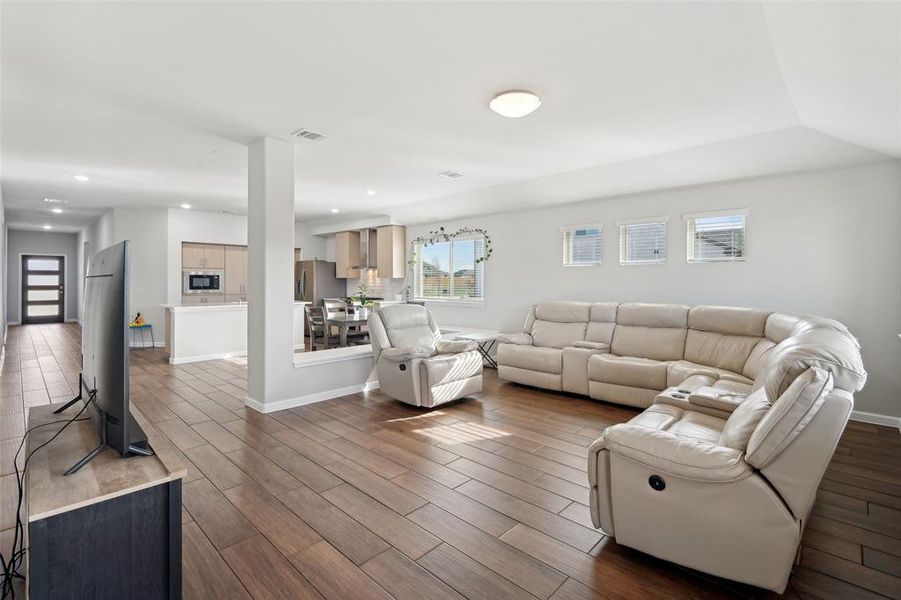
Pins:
x: 383, y: 288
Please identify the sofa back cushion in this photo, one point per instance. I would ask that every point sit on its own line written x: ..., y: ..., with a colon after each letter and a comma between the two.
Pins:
x: 744, y: 420
x: 789, y: 415
x: 602, y: 322
x: 655, y: 331
x: 723, y: 336
x: 409, y: 325
x: 559, y: 324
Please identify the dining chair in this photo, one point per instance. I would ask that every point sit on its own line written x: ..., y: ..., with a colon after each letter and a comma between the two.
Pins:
x: 316, y: 325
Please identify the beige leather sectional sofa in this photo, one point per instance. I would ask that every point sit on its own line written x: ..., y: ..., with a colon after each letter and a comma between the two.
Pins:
x: 744, y: 409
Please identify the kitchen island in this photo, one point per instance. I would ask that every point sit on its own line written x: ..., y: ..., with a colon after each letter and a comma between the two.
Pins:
x: 197, y: 332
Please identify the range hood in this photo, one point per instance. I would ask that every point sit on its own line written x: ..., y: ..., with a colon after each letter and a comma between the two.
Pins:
x: 368, y: 249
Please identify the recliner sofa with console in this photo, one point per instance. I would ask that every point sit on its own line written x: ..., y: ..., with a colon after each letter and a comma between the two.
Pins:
x: 744, y: 409
x: 414, y: 365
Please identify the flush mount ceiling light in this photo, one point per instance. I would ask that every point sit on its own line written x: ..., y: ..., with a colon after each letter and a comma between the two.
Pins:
x: 56, y: 210
x: 335, y: 211
x: 186, y: 206
x: 370, y: 192
x: 515, y: 103
x: 81, y: 178
x: 55, y: 201
x: 48, y: 227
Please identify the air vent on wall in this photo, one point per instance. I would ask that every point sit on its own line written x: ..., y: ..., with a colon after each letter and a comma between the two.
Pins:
x: 451, y: 174
x: 306, y: 134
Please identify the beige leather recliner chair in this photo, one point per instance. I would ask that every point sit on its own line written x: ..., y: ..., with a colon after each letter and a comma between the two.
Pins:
x: 414, y: 365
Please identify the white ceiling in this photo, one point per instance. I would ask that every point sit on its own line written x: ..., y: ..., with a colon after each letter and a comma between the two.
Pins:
x: 155, y: 102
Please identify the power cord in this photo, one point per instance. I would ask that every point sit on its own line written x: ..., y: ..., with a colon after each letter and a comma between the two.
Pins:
x: 11, y: 567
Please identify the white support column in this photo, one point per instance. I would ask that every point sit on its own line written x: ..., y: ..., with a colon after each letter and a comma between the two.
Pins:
x: 270, y: 240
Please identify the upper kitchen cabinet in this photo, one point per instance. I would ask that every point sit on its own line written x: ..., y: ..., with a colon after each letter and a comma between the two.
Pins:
x: 202, y: 256
x: 347, y: 254
x: 392, y: 255
x: 236, y: 270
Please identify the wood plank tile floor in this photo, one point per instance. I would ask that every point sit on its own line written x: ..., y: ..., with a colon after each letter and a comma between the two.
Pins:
x: 363, y: 497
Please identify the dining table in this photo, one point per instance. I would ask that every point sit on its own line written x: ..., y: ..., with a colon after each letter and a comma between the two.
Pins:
x: 345, y: 321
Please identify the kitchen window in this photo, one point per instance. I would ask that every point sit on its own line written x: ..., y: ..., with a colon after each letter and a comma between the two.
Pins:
x: 642, y: 241
x: 450, y: 271
x: 583, y: 245
x: 716, y: 236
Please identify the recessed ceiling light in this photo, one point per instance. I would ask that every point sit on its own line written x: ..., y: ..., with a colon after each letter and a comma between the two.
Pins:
x: 186, y: 205
x: 48, y: 227
x: 515, y: 103
x: 55, y: 201
x: 335, y: 211
x: 370, y: 192
x: 56, y: 210
x: 81, y: 178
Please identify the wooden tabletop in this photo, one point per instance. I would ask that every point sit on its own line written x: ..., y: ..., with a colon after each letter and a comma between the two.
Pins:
x: 348, y: 319
x: 49, y: 492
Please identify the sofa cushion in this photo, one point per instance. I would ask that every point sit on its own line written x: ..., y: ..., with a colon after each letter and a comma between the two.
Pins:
x: 602, y: 322
x: 445, y: 368
x: 758, y: 357
x: 728, y: 320
x: 658, y: 343
x: 547, y: 360
x: 699, y: 426
x: 408, y: 325
x: 653, y: 315
x: 789, y: 415
x: 551, y: 334
x: 627, y: 370
x: 563, y: 312
x: 744, y: 420
x: 724, y: 351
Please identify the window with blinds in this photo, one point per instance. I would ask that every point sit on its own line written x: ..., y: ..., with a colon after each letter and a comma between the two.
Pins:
x: 716, y: 237
x: 450, y: 271
x: 642, y: 242
x: 583, y: 245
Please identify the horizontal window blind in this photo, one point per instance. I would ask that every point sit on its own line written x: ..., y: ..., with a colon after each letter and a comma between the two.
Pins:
x: 716, y: 238
x: 450, y: 270
x: 642, y: 243
x: 583, y: 245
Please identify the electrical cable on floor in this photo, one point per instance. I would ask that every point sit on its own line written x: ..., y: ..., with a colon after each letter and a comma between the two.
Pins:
x: 11, y: 567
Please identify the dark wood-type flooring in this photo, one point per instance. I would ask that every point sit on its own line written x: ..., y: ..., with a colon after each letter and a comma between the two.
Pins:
x: 363, y: 497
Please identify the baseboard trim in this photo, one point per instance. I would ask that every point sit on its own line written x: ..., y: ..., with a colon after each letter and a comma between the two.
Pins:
x: 147, y: 345
x: 181, y: 360
x: 309, y: 398
x: 876, y: 419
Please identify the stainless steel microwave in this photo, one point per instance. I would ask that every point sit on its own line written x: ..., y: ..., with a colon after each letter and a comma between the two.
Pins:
x: 203, y: 282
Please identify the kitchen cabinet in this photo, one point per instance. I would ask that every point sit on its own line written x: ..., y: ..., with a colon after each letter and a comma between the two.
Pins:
x: 391, y: 259
x: 235, y: 270
x: 347, y: 254
x: 202, y: 256
x: 202, y: 299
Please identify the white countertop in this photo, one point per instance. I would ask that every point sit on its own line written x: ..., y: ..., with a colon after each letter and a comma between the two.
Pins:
x: 215, y: 307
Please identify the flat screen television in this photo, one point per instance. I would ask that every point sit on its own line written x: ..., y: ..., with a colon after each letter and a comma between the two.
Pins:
x: 104, y: 349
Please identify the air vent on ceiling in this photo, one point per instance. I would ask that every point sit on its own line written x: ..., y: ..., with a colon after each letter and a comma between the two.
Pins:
x: 451, y: 174
x: 306, y: 134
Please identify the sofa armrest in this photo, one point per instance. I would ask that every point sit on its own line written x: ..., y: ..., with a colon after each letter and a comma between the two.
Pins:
x: 520, y: 339
x: 685, y: 457
x: 599, y: 346
x: 718, y: 398
x: 405, y: 354
x: 455, y: 346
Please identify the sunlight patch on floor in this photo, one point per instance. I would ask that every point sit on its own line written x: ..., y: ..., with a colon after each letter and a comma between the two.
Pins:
x: 460, y: 433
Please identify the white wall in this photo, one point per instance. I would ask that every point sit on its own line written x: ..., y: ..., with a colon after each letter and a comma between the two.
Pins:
x: 21, y: 242
x: 825, y: 243
x: 95, y: 237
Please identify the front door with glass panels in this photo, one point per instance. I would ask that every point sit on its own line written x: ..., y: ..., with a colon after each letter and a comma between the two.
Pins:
x: 43, y: 291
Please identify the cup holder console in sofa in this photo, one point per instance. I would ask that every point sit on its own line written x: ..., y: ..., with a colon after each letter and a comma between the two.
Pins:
x: 743, y: 410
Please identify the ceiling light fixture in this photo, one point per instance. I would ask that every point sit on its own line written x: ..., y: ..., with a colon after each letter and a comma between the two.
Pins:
x: 55, y: 201
x: 335, y: 211
x: 186, y: 206
x: 81, y: 178
x: 370, y: 192
x: 56, y: 210
x: 48, y: 227
x: 515, y: 103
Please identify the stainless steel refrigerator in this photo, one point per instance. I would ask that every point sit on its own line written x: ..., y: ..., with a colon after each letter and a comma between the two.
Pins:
x: 315, y: 280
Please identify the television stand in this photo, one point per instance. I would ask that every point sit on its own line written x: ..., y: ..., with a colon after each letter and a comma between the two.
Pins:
x: 110, y: 531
